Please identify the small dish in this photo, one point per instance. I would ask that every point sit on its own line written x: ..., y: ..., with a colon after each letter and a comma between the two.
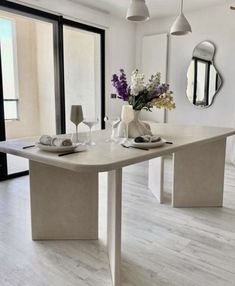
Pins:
x: 148, y: 144
x: 56, y: 149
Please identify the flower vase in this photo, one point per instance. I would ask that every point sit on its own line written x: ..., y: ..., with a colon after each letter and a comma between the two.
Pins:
x: 127, y: 115
x: 131, y: 123
x: 138, y: 127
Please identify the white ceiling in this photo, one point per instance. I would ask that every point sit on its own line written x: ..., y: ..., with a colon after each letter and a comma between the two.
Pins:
x: 157, y: 8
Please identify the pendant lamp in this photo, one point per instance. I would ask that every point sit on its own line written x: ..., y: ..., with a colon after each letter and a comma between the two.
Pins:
x: 181, y: 25
x: 137, y: 11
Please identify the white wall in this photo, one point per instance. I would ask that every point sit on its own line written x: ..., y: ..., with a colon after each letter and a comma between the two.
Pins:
x: 154, y: 54
x: 216, y: 24
x: 120, y: 53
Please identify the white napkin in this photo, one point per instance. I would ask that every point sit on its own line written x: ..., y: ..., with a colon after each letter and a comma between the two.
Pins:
x: 55, y: 141
x: 45, y: 140
x: 61, y: 142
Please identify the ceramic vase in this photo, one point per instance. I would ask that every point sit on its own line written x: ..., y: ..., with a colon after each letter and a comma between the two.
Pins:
x: 131, y: 123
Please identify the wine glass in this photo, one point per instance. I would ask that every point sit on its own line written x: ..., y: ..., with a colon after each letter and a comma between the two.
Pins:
x: 113, y: 123
x: 90, y: 122
x: 76, y: 116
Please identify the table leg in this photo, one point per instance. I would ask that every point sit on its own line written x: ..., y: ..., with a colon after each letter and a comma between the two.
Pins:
x: 64, y: 204
x: 156, y: 177
x: 199, y: 175
x: 114, y: 224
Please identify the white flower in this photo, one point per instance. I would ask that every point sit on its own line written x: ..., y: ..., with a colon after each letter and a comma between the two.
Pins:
x: 137, y: 83
x: 154, y: 81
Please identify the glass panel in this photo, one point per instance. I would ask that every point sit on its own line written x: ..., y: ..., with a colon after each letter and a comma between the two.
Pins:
x: 201, y: 83
x: 212, y: 83
x: 190, y: 75
x: 16, y: 164
x: 33, y: 41
x: 82, y: 74
x: 8, y: 53
x: 11, y: 110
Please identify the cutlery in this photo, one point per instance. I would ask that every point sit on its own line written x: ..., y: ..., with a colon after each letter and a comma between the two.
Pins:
x: 68, y: 153
x: 141, y: 148
x: 29, y: 146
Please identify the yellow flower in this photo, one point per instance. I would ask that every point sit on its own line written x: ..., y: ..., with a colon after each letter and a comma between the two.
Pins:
x: 165, y: 101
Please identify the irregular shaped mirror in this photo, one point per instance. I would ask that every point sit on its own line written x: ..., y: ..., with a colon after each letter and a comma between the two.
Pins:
x: 204, y: 81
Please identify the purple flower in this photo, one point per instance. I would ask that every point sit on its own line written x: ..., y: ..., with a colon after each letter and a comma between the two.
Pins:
x: 159, y: 90
x: 121, y: 85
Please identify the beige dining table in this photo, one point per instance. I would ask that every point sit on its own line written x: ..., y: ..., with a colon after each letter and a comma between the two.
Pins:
x: 64, y: 190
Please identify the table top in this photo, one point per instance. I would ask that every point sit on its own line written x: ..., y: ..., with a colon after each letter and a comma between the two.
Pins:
x: 106, y: 156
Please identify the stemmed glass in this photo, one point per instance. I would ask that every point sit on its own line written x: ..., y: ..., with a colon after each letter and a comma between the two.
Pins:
x: 76, y: 116
x: 113, y: 123
x: 90, y: 122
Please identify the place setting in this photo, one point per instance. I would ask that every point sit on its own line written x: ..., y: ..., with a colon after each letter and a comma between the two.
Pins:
x: 67, y: 144
x: 142, y: 142
x: 146, y: 142
x: 57, y: 144
x: 63, y: 146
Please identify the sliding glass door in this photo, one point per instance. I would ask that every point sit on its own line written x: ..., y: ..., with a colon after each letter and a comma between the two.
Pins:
x: 28, y: 83
x: 48, y: 63
x: 82, y: 67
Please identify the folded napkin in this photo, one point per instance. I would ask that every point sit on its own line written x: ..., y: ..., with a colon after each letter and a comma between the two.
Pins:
x: 55, y: 141
x: 147, y: 139
x: 61, y: 142
x: 45, y: 140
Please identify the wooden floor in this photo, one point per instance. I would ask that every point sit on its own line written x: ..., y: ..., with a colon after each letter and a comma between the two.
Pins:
x: 161, y: 246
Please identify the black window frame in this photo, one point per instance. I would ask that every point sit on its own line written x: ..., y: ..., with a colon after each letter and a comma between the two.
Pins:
x: 101, y: 32
x: 58, y: 22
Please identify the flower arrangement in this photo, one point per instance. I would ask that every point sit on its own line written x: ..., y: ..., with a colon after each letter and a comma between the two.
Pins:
x: 143, y: 95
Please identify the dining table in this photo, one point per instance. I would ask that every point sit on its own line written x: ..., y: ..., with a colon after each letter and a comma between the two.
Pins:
x: 64, y: 189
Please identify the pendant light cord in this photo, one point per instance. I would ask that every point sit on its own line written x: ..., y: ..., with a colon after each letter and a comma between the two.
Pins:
x: 182, y: 6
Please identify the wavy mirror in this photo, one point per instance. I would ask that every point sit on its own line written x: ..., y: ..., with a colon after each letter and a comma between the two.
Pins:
x: 204, y: 81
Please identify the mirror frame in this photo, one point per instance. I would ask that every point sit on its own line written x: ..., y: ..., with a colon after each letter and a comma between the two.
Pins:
x: 213, y: 63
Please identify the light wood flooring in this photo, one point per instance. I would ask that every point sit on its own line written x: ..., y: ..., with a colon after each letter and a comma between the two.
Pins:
x: 161, y: 245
